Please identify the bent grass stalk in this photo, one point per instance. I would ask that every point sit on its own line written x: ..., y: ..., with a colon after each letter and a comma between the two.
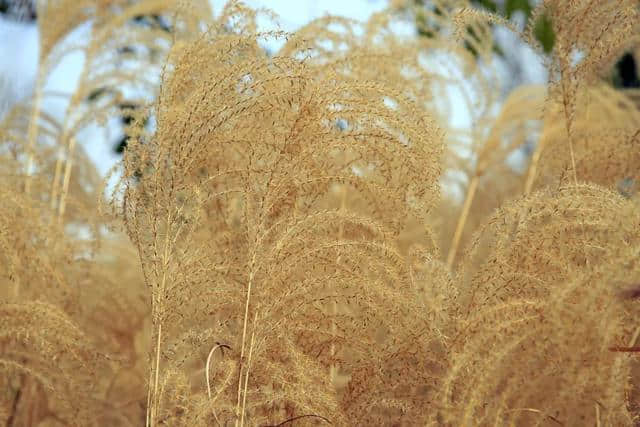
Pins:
x: 208, y: 364
x: 532, y: 170
x: 158, y: 309
x: 334, y: 303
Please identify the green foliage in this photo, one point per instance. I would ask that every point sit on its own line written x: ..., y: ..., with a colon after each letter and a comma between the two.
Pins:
x: 543, y: 31
x: 512, y: 6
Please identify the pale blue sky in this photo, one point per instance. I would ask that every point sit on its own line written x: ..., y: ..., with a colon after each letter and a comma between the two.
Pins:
x: 19, y: 52
x: 297, y: 12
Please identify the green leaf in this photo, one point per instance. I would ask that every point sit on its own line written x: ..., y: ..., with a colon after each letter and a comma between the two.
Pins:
x: 543, y: 32
x: 512, y: 6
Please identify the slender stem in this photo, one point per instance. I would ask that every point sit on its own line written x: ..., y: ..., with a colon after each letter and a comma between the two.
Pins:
x: 246, y: 375
x: 244, y: 333
x: 32, y: 133
x: 634, y: 338
x: 471, y: 191
x: 66, y: 179
x: 570, y: 136
x: 74, y: 101
x: 533, y: 167
x: 56, y: 178
x: 60, y: 158
x: 567, y: 101
x: 154, y: 407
